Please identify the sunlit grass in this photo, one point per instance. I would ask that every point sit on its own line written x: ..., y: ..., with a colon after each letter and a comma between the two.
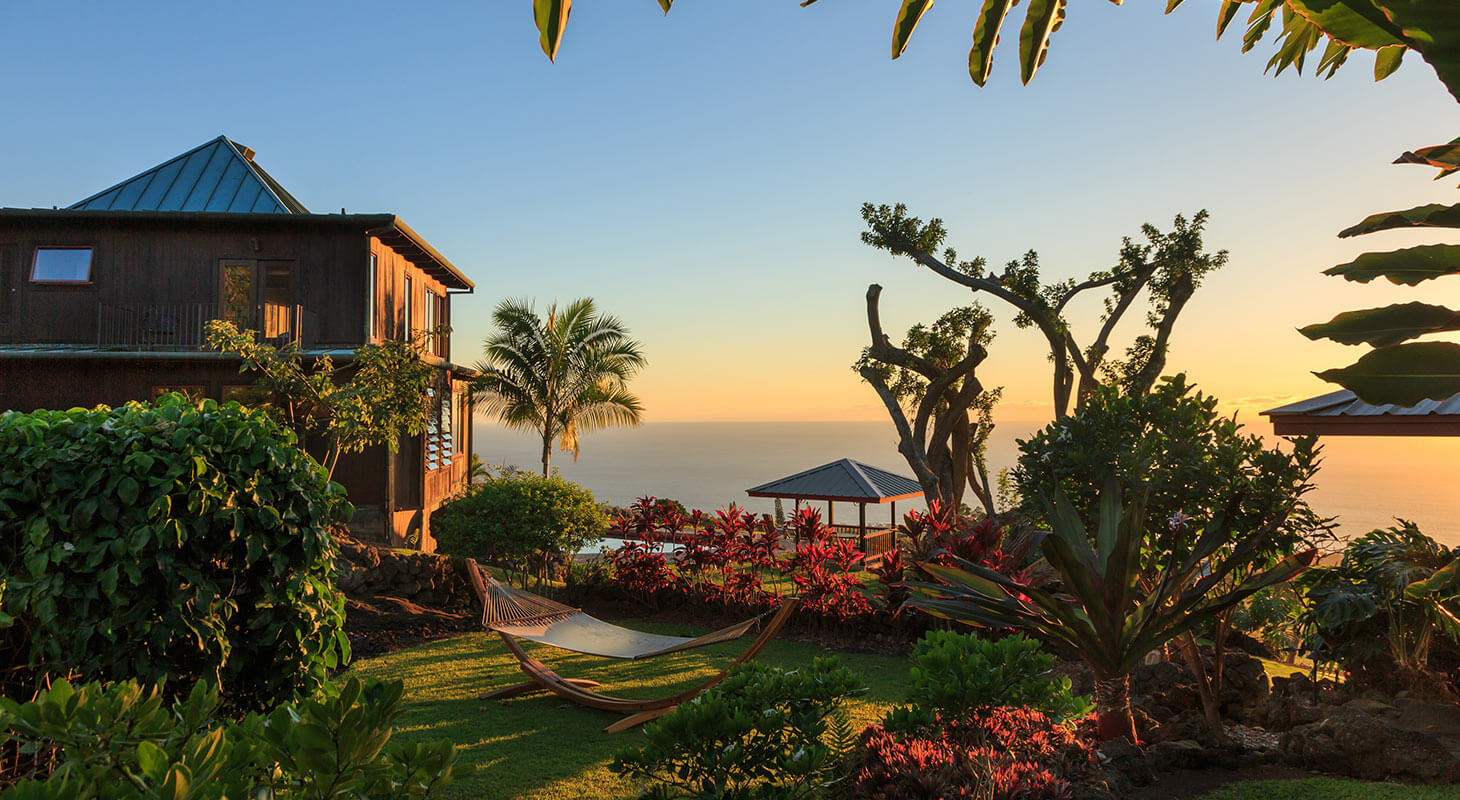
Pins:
x: 539, y: 746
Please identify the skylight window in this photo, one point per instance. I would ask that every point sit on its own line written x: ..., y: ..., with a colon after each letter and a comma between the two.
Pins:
x: 61, y: 265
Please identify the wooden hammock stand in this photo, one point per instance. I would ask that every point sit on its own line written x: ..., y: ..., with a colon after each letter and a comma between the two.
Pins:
x: 514, y: 614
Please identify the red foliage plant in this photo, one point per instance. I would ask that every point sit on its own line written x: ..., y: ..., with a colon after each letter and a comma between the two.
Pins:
x: 822, y: 569
x: 1003, y: 753
x: 942, y: 535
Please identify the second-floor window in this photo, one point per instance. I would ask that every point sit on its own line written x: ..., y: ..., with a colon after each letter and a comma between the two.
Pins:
x: 433, y: 340
x: 410, y: 332
x: 61, y: 265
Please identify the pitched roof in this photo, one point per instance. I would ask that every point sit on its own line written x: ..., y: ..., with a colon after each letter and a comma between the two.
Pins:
x: 219, y: 175
x: 1341, y: 413
x: 845, y: 479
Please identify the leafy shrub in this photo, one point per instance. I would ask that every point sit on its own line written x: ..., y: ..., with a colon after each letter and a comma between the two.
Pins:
x: 1192, y: 462
x: 120, y: 742
x: 996, y: 754
x: 762, y: 733
x: 186, y: 541
x: 520, y: 521
x: 822, y: 570
x: 641, y: 570
x: 956, y: 674
x: 1359, y: 616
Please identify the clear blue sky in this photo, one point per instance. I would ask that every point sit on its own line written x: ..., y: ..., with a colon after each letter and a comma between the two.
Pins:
x: 700, y: 174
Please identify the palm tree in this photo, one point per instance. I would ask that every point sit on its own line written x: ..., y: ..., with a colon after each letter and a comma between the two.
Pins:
x: 561, y: 378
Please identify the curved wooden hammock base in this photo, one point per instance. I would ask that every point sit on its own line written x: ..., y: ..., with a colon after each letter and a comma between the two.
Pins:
x: 526, y: 608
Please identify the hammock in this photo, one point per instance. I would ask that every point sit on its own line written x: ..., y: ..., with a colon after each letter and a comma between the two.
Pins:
x: 516, y: 614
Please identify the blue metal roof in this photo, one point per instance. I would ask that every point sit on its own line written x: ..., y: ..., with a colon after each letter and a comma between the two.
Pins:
x: 219, y: 175
x: 842, y: 480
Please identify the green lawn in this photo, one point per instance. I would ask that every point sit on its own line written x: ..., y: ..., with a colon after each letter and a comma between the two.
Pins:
x: 1329, y: 789
x: 539, y: 746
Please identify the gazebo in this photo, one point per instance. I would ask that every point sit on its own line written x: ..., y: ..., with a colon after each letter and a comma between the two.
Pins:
x: 848, y: 481
x: 1341, y: 413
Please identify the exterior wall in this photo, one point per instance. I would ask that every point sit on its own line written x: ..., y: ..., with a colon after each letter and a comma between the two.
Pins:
x: 177, y: 261
x: 163, y: 261
x: 391, y: 271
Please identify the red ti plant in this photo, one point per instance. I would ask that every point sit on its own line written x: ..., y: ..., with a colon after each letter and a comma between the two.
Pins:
x: 822, y: 570
x: 890, y: 573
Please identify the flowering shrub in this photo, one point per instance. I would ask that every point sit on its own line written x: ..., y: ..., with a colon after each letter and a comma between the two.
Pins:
x: 1001, y: 753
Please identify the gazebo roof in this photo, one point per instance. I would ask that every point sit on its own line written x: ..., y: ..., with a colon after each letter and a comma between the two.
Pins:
x: 844, y: 480
x: 1341, y: 413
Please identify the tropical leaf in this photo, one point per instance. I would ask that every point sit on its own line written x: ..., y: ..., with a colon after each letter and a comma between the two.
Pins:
x: 1407, y: 267
x: 1446, y: 577
x: 1403, y: 374
x: 1385, y: 326
x: 1386, y: 61
x: 1041, y: 20
x: 1356, y: 24
x: 1431, y: 27
x: 1225, y: 14
x: 1444, y: 156
x: 1334, y: 57
x: 985, y: 36
x: 551, y: 17
x: 908, y: 16
x: 1433, y: 215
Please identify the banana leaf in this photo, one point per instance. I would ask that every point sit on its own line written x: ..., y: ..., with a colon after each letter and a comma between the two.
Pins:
x: 1382, y: 327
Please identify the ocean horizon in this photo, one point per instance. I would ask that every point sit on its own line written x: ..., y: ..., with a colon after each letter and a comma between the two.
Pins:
x: 1366, y: 482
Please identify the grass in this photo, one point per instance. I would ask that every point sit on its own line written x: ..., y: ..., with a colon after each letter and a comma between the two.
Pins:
x: 539, y: 746
x: 1328, y: 789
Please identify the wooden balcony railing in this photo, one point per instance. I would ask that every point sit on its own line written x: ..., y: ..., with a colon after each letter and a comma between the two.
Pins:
x: 180, y: 326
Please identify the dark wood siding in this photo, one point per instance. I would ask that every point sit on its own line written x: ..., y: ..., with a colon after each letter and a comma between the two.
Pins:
x: 391, y: 271
x: 161, y: 261
x: 9, y: 283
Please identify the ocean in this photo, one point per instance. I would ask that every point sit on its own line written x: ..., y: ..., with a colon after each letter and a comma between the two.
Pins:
x: 1365, y: 481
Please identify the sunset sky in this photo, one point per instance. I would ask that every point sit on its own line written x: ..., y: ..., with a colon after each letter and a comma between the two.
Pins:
x: 700, y: 174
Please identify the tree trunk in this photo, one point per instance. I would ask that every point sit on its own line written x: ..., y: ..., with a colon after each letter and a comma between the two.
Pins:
x: 1204, y: 688
x: 1112, y: 709
x: 547, y: 453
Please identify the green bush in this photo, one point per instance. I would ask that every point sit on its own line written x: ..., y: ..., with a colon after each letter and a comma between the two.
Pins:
x: 1191, y: 461
x: 763, y: 733
x: 180, y: 541
x: 120, y: 742
x: 955, y: 674
x: 519, y: 520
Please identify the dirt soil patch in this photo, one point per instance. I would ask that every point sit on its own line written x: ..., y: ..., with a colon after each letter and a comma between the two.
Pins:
x: 380, y: 625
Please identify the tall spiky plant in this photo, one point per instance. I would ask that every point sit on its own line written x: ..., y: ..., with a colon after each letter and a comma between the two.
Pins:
x: 559, y: 378
x: 1102, y: 611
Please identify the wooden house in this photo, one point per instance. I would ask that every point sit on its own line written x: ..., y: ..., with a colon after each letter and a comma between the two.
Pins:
x: 105, y: 302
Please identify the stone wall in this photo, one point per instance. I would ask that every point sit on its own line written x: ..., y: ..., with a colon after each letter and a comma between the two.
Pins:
x: 427, y: 579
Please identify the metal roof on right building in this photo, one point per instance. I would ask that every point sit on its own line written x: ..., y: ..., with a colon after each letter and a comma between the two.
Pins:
x: 1341, y: 413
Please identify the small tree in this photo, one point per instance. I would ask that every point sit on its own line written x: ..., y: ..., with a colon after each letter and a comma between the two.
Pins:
x: 558, y: 378
x: 384, y: 396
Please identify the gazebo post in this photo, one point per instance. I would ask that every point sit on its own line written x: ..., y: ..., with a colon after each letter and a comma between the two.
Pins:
x: 830, y: 514
x: 894, y: 516
x: 862, y: 527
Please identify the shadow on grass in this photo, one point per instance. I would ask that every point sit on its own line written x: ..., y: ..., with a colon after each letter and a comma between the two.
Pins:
x: 540, y: 746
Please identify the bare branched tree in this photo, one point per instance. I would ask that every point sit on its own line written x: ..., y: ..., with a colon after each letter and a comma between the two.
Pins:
x: 942, y: 413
